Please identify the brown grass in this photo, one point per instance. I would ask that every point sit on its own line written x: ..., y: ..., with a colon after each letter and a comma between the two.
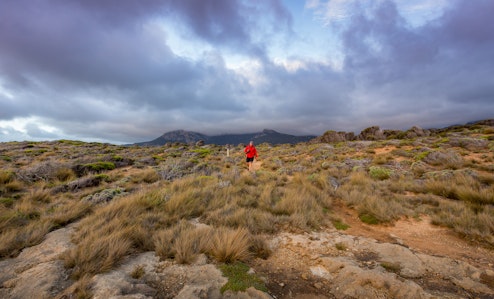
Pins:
x: 293, y: 190
x: 69, y: 212
x: 6, y: 177
x: 98, y: 254
x: 190, y: 243
x: 230, y: 245
x: 473, y: 225
x: 147, y: 176
x: 164, y: 239
x: 81, y: 289
x: 13, y: 240
x: 461, y: 187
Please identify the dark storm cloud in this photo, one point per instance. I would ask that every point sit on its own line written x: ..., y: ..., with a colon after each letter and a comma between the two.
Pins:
x: 65, y: 41
x: 232, y: 23
x: 105, y: 69
x: 62, y: 58
x: 443, y: 67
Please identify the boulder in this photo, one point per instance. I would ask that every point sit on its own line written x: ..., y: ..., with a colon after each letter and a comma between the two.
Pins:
x: 371, y: 133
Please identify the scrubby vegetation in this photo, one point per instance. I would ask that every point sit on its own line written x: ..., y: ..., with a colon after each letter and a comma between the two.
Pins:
x: 182, y: 201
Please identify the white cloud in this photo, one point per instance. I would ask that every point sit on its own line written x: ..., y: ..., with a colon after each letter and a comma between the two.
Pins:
x: 416, y: 12
x: 291, y: 65
x: 27, y: 128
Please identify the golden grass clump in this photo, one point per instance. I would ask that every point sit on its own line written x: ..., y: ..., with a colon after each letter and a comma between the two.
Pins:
x: 13, y: 240
x: 190, y: 243
x: 64, y: 174
x: 473, y: 225
x: 97, y: 254
x: 147, y: 176
x: 104, y: 238
x: 305, y: 203
x: 255, y: 220
x: 11, y: 186
x: 462, y: 187
x: 187, y: 204
x: 41, y: 196
x: 164, y: 239
x: 230, y: 245
x: 374, y: 209
x: 68, y: 212
x: 81, y: 289
x: 6, y: 177
x: 373, y: 199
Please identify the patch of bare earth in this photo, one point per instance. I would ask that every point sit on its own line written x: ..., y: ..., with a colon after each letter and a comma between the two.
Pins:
x: 421, y: 236
x: 410, y: 259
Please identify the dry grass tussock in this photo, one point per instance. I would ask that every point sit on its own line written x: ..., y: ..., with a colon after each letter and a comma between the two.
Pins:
x: 163, y: 189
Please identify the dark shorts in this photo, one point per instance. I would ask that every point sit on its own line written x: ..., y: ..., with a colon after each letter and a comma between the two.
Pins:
x: 250, y: 159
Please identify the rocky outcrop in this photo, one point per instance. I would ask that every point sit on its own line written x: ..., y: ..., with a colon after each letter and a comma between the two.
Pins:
x: 416, y: 132
x: 330, y: 137
x: 37, y: 272
x: 326, y: 264
x: 371, y: 133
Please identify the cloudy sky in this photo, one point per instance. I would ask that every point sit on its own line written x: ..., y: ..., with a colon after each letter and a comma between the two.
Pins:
x: 125, y: 71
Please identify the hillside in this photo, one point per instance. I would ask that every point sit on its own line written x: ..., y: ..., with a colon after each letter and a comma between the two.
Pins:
x: 266, y: 136
x: 401, y: 217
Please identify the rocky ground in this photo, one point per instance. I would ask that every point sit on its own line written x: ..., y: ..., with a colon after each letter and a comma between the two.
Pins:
x: 412, y: 259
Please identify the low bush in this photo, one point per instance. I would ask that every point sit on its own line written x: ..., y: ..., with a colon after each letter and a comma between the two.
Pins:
x: 99, y: 166
x: 339, y: 225
x: 239, y: 278
x: 6, y: 177
x: 380, y: 173
x: 447, y: 159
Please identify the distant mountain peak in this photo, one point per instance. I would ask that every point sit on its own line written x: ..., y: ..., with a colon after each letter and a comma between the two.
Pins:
x: 267, y: 135
x: 269, y: 131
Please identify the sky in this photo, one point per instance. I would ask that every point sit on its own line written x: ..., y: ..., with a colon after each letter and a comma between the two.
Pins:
x: 125, y: 71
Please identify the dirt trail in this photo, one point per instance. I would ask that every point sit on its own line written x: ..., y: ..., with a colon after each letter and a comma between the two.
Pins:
x: 419, y: 235
x: 257, y: 165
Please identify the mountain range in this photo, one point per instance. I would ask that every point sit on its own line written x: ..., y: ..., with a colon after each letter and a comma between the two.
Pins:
x: 273, y: 137
x: 269, y: 136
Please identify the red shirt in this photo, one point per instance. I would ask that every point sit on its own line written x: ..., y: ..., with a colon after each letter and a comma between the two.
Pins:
x: 251, y: 151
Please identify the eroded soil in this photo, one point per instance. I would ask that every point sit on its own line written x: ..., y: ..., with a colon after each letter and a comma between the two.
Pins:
x: 296, y: 267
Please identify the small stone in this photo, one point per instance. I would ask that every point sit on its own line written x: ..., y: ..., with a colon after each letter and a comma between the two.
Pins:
x: 281, y: 284
x: 318, y: 285
x: 305, y: 276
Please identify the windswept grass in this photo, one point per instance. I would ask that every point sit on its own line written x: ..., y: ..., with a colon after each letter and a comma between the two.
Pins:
x: 230, y: 245
x: 97, y: 254
x: 13, y: 240
x: 461, y: 187
x: 168, y: 188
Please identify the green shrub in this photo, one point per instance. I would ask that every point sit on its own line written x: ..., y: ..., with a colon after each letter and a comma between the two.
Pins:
x: 6, y: 158
x: 379, y: 173
x: 117, y: 158
x: 239, y: 279
x: 421, y: 156
x: 368, y: 218
x: 99, y: 166
x: 340, y: 225
x: 202, y: 152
